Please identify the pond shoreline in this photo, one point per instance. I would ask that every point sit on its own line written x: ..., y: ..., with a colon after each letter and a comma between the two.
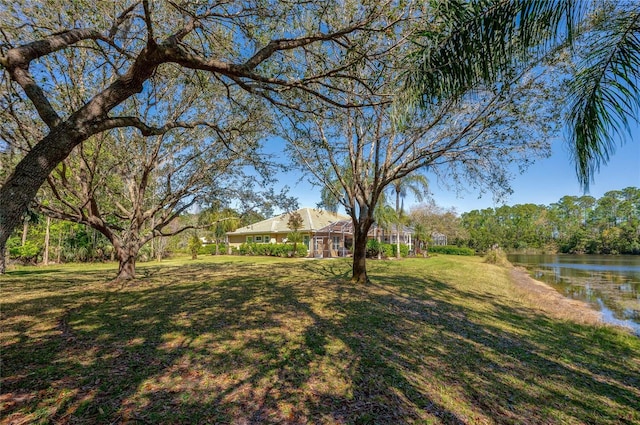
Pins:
x: 609, y: 284
x: 549, y: 300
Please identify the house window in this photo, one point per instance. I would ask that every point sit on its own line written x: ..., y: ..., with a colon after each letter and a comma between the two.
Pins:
x: 305, y: 240
x: 266, y: 239
x: 249, y: 239
x: 258, y: 239
x: 335, y: 243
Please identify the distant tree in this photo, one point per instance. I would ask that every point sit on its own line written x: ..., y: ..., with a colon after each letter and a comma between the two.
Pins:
x: 385, y: 216
x: 219, y: 221
x: 295, y: 223
x: 434, y: 218
x: 416, y: 184
x: 483, y: 229
x: 195, y: 243
x: 577, y: 225
x: 421, y: 237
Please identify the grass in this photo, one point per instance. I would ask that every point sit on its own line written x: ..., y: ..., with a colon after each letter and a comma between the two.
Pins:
x: 260, y: 340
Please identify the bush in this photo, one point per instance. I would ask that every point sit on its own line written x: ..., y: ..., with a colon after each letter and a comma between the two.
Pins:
x: 497, y: 257
x: 451, y: 250
x: 404, y: 250
x: 373, y: 247
x: 387, y: 250
x: 27, y: 253
x: 272, y: 249
x: 210, y: 249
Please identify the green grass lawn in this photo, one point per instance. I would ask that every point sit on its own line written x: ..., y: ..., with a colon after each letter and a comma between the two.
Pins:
x: 261, y: 340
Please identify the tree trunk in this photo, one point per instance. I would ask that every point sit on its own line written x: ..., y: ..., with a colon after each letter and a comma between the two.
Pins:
x: 59, y: 249
x: 3, y: 261
x: 127, y: 264
x: 161, y: 244
x: 45, y: 256
x: 398, y: 223
x: 25, y: 230
x: 359, y: 257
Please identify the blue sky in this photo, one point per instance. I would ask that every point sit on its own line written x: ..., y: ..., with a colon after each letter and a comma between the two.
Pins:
x: 550, y: 179
x: 545, y: 182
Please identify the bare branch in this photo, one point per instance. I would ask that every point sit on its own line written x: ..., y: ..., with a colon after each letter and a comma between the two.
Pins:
x: 147, y: 130
x: 151, y: 42
x: 21, y: 56
x: 121, y: 19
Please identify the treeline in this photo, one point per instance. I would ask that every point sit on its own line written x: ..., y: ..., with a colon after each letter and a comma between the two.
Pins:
x: 576, y: 225
x: 45, y: 240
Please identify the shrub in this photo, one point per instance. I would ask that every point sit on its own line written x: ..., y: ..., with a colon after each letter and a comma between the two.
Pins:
x: 211, y: 249
x: 387, y: 250
x: 373, y: 248
x: 498, y: 257
x: 404, y: 250
x: 272, y: 249
x: 451, y: 250
x: 27, y: 253
x: 194, y: 246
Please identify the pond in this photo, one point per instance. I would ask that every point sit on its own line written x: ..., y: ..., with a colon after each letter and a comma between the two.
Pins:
x: 611, y: 284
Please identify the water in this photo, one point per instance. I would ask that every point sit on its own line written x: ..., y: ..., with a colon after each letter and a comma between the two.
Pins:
x: 611, y: 284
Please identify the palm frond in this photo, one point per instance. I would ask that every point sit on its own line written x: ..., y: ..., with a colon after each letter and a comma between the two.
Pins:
x: 465, y: 44
x: 606, y: 92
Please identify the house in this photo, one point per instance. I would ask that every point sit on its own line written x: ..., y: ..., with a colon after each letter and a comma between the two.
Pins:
x: 336, y: 239
x: 438, y: 238
x: 324, y: 233
x: 275, y: 230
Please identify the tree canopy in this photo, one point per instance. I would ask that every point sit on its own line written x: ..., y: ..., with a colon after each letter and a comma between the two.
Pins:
x: 69, y: 75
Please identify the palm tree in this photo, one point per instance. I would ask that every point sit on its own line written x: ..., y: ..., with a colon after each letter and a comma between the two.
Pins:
x: 384, y: 215
x: 606, y: 89
x: 421, y: 235
x: 415, y: 183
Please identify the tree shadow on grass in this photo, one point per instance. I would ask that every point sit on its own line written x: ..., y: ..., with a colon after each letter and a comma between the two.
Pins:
x: 294, y: 343
x: 537, y: 370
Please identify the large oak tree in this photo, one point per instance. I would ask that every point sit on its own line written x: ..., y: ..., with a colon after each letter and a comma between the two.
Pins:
x: 271, y: 50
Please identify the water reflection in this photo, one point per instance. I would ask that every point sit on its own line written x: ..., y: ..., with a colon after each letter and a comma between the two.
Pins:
x: 610, y: 284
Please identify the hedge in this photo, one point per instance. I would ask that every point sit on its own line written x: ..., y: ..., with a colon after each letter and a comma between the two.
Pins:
x: 272, y: 249
x: 211, y: 249
x: 451, y: 249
